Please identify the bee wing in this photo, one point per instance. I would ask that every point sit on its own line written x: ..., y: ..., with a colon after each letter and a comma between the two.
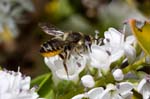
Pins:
x: 50, y: 29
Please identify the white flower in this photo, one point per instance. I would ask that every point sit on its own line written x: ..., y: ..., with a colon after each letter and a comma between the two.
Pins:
x: 120, y: 91
x: 113, y: 49
x: 118, y: 75
x: 92, y: 94
x: 99, y: 58
x: 11, y: 14
x: 144, y: 87
x: 117, y: 46
x: 13, y: 85
x: 88, y: 81
x: 75, y: 64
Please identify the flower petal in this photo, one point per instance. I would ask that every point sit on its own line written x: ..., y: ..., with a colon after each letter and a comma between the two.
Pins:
x: 114, y: 37
x: 75, y: 64
x: 130, y: 53
x: 117, y: 55
x: 130, y: 39
x: 95, y: 93
x: 80, y: 96
x: 144, y: 87
x: 13, y: 85
x: 99, y: 58
x: 124, y: 87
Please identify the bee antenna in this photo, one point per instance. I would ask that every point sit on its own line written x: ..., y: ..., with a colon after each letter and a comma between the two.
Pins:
x: 124, y: 28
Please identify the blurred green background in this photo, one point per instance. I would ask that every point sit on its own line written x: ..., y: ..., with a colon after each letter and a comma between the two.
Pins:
x: 20, y: 36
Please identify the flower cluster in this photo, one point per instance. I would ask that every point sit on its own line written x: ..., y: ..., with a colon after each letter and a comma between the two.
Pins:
x: 13, y: 85
x: 75, y: 65
x: 144, y: 87
x: 100, y: 56
x: 122, y: 90
x: 119, y: 91
x: 104, y: 69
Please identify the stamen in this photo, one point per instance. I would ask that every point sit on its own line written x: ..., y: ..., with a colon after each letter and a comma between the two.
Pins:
x: 34, y: 88
x: 96, y: 36
x: 123, y: 33
x: 79, y: 65
x: 88, y: 47
x: 98, y: 40
x: 124, y: 29
x: 108, y: 40
x: 108, y: 52
x: 18, y: 69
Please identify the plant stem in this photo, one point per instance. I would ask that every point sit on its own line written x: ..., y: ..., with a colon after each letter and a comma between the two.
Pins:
x: 134, y: 66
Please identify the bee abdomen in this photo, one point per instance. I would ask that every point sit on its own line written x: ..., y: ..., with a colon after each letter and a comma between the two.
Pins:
x: 52, y: 47
x: 56, y: 44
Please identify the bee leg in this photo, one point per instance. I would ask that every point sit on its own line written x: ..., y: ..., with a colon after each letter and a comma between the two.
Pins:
x: 69, y: 54
x: 90, y: 48
x: 61, y: 56
x: 65, y: 66
x: 64, y: 57
x: 69, y: 51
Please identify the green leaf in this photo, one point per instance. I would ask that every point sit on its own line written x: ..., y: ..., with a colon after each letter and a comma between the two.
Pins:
x: 45, y: 84
x: 68, y: 89
x: 141, y: 31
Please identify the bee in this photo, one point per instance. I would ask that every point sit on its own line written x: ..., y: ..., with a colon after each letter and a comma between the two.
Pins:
x: 64, y: 43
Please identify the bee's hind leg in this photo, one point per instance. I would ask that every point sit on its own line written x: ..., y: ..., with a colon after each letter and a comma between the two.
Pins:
x: 64, y: 57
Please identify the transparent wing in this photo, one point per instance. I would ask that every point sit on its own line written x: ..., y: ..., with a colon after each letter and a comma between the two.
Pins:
x: 50, y: 29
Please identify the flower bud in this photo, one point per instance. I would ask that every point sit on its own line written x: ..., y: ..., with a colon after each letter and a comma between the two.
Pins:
x: 118, y: 75
x: 88, y: 81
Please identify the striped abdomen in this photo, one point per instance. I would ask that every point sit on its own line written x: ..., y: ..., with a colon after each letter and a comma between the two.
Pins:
x: 52, y: 47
